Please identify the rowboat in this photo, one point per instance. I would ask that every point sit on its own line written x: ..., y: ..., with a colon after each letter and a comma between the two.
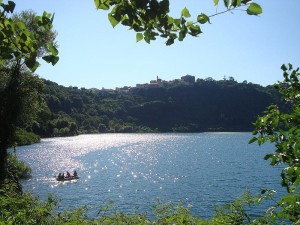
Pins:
x: 67, y: 178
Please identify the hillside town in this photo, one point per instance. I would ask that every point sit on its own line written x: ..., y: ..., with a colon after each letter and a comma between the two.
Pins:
x: 184, y: 80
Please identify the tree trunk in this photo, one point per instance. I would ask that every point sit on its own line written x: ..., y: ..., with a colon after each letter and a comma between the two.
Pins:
x: 3, y: 164
x: 9, y: 111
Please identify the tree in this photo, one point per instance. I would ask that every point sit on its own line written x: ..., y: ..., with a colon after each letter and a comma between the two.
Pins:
x: 44, y: 37
x: 151, y: 18
x: 22, y: 42
x: 281, y: 127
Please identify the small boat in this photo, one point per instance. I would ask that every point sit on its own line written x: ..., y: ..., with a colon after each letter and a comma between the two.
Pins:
x: 67, y: 178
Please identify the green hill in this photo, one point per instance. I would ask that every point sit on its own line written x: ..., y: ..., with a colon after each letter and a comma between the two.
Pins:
x: 205, y: 105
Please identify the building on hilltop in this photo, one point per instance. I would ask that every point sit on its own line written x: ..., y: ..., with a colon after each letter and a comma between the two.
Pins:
x: 158, y: 80
x: 107, y: 90
x: 141, y: 85
x: 188, y: 79
x: 124, y: 89
x: 185, y: 80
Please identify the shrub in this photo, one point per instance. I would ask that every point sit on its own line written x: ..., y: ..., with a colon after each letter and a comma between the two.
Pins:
x: 17, y: 168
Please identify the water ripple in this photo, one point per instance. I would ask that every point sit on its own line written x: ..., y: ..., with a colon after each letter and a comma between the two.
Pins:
x: 134, y: 169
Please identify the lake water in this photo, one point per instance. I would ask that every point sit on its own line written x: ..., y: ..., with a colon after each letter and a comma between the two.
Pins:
x: 133, y: 170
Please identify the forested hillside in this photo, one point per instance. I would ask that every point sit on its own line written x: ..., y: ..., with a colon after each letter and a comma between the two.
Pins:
x: 207, y: 105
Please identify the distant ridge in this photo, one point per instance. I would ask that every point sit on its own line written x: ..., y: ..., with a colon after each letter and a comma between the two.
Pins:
x: 183, y: 106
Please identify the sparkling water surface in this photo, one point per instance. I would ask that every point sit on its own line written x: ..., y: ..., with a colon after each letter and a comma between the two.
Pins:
x: 133, y: 170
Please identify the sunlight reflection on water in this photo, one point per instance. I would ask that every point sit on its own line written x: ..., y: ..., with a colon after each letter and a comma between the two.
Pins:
x: 135, y: 169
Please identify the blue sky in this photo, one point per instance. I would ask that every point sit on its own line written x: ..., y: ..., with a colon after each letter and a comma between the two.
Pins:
x: 95, y: 55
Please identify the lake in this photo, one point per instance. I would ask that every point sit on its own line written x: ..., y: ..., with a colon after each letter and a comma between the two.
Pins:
x: 133, y: 170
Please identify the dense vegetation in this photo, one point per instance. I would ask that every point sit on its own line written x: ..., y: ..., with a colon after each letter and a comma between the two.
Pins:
x: 24, y: 38
x: 206, y: 105
x: 20, y: 47
x: 280, y: 126
x: 25, y: 209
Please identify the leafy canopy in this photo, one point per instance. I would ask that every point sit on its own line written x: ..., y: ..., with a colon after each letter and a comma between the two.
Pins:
x: 19, y: 42
x: 281, y: 127
x: 23, y: 39
x: 151, y: 18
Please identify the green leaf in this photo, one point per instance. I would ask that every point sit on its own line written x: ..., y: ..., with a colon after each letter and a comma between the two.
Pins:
x: 226, y: 3
x: 181, y: 36
x: 283, y: 67
x: 268, y: 156
x: 21, y: 25
x: 185, y: 13
x: 195, y: 30
x: 153, y: 35
x: 112, y: 20
x: 51, y: 59
x: 203, y: 18
x: 245, y: 1
x: 216, y: 2
x: 170, y: 20
x: 52, y: 49
x: 32, y: 64
x: 170, y: 41
x: 139, y: 37
x: 254, y: 9
x: 261, y: 140
x: 52, y: 18
x: 23, y: 36
x: 147, y: 36
x: 236, y: 3
x: 254, y: 139
x: 102, y: 4
x: 47, y: 15
x: 164, y: 6
x: 10, y: 7
x: 97, y: 3
x: 177, y: 22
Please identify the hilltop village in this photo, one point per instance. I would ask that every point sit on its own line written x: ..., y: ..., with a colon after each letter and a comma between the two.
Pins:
x: 186, y: 80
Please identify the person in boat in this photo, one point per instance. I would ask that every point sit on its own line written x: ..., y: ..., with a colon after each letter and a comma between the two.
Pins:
x: 75, y: 173
x: 59, y: 176
x: 68, y: 174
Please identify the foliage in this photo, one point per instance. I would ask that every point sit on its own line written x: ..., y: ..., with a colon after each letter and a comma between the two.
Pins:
x: 152, y: 18
x: 207, y: 105
x: 18, y: 168
x: 19, y: 99
x: 23, y: 208
x: 43, y: 36
x: 238, y: 211
x: 25, y: 138
x: 281, y: 127
x: 19, y: 42
x: 23, y: 39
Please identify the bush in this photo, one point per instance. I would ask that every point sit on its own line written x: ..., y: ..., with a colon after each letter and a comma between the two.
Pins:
x: 17, y: 168
x: 26, y: 138
x: 26, y: 209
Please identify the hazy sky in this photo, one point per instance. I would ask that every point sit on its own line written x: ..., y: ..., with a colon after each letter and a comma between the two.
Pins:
x: 95, y: 55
